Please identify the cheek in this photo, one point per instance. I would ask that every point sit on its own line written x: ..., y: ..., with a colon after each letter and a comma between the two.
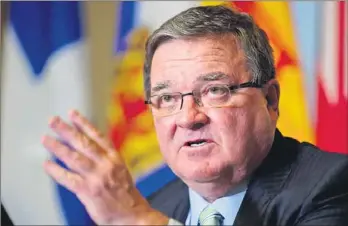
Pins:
x: 234, y: 130
x: 164, y: 131
x: 246, y: 118
x: 230, y: 122
x: 237, y: 127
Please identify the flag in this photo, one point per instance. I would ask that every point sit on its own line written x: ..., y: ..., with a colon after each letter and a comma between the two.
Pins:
x: 332, y: 102
x: 43, y: 74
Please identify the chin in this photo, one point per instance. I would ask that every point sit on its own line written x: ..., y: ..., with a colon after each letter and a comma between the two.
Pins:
x: 202, y: 172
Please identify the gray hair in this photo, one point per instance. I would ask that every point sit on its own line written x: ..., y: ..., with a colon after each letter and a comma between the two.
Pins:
x: 215, y: 20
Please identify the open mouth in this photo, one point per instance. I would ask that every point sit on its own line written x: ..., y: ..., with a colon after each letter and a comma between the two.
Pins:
x: 196, y: 143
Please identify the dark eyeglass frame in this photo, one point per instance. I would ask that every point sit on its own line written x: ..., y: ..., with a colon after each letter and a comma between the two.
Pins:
x: 231, y: 88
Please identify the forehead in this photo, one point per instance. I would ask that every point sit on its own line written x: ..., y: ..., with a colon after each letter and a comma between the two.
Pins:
x: 182, y: 61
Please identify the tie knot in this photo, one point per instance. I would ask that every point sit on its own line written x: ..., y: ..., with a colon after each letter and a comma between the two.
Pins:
x: 209, y: 216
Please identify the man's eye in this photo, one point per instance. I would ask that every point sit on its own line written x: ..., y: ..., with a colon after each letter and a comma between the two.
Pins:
x: 166, y: 98
x: 216, y: 90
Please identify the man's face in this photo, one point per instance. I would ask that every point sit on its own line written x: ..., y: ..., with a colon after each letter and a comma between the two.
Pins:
x: 232, y: 140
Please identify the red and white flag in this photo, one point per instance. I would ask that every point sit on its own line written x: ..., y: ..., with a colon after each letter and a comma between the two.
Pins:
x: 332, y: 102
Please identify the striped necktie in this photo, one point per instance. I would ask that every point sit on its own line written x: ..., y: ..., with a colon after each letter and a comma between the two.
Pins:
x: 209, y: 216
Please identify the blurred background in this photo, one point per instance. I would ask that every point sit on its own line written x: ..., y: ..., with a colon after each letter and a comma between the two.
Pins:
x: 56, y: 56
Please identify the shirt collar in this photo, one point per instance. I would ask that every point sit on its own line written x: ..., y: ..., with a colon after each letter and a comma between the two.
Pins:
x: 197, y: 205
x: 228, y: 205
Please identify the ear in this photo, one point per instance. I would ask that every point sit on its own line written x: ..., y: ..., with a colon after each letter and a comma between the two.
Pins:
x: 273, y: 95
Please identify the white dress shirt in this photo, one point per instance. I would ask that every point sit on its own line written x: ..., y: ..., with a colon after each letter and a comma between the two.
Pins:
x: 228, y: 205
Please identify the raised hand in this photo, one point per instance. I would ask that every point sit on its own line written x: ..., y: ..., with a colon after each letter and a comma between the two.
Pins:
x: 97, y: 175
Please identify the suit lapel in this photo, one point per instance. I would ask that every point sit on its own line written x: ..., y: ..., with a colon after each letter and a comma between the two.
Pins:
x: 180, y: 213
x: 265, y: 184
x: 172, y: 200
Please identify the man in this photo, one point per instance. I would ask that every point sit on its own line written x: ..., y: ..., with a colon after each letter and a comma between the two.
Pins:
x: 210, y: 82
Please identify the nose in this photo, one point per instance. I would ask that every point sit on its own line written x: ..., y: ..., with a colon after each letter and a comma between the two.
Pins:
x: 190, y: 116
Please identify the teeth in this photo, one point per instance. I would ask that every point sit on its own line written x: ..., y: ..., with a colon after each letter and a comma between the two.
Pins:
x: 199, y: 144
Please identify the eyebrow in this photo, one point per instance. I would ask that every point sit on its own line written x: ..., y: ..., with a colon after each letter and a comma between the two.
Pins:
x: 160, y: 86
x: 213, y: 76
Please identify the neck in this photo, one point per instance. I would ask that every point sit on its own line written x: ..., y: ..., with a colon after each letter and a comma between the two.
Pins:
x: 214, y: 190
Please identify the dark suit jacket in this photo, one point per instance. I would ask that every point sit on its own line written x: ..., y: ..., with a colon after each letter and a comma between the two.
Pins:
x: 5, y: 219
x: 296, y: 184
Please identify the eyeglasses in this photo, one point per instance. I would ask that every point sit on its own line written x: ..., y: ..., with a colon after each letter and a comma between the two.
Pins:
x: 214, y: 96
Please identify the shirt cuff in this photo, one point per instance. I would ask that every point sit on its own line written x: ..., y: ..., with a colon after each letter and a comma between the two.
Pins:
x: 173, y: 222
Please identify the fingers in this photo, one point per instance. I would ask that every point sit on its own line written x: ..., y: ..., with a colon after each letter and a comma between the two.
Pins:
x: 76, y: 139
x: 69, y: 180
x: 73, y: 159
x: 84, y: 125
